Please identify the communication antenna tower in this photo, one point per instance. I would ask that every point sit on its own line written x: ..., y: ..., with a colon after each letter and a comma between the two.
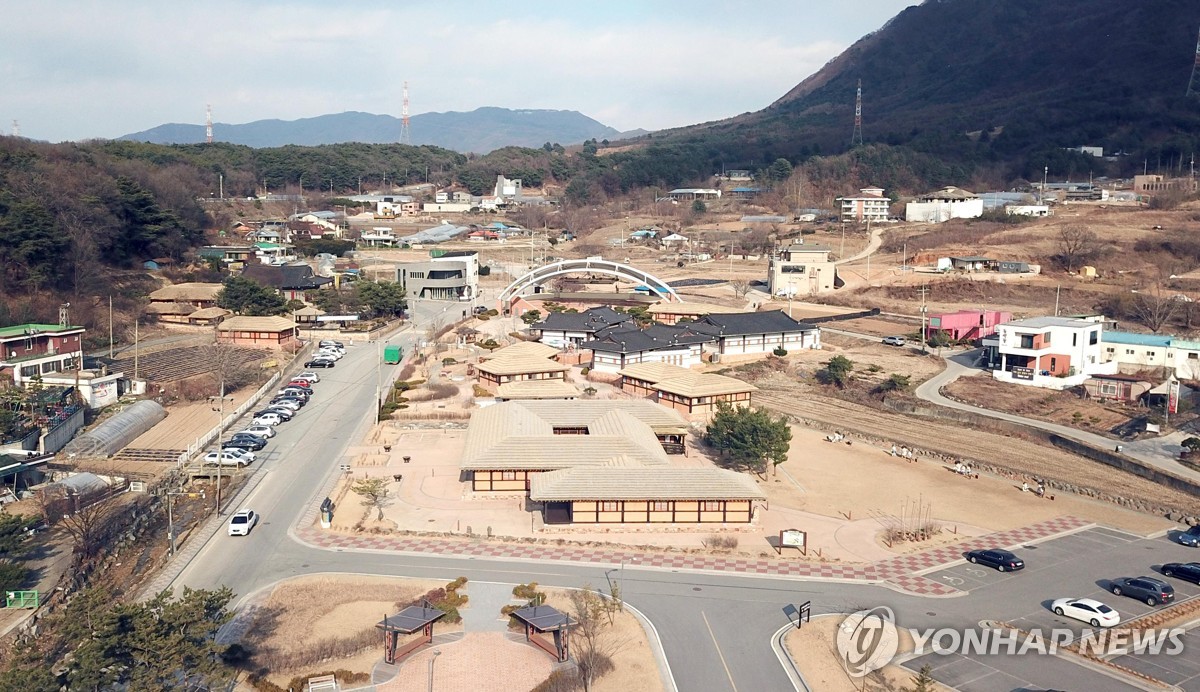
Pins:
x: 405, y: 133
x: 16, y: 128
x: 64, y: 315
x: 1194, y: 82
x: 856, y: 138
x: 208, y: 123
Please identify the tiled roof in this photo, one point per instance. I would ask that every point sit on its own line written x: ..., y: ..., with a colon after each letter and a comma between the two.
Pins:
x: 591, y: 320
x: 170, y: 309
x: 653, y: 371
x: 536, y: 389
x: 658, y: 337
x: 742, y: 323
x: 525, y: 348
x: 521, y: 365
x: 638, y: 483
x: 697, y: 384
x: 187, y: 291
x: 209, y: 313
x: 247, y: 323
x: 520, y: 434
x: 689, y: 308
x: 291, y: 276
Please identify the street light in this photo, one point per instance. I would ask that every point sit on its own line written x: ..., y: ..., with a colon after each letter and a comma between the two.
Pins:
x: 220, y: 409
x: 432, y: 660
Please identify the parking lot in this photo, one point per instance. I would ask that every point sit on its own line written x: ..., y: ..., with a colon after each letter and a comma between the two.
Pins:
x: 1078, y: 565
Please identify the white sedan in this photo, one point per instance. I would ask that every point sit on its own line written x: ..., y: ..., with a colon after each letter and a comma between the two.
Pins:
x: 229, y: 457
x: 260, y: 431
x: 241, y: 523
x: 329, y: 353
x: 1088, y: 610
x: 308, y: 375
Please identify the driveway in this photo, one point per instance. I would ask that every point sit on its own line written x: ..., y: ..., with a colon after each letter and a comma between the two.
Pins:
x: 1158, y: 452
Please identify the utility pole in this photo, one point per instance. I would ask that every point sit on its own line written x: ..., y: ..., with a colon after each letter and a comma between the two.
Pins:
x: 924, y: 290
x: 220, y: 409
x: 110, y: 328
x: 1057, y: 295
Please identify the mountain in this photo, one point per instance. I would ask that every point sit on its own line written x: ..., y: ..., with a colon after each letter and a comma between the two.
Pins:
x: 481, y: 130
x: 988, y: 83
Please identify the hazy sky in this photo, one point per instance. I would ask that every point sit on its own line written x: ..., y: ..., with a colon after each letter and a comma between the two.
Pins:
x: 78, y: 69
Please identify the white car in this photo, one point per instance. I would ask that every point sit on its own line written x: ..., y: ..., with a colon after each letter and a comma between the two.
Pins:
x: 1088, y: 610
x: 286, y: 403
x: 308, y: 375
x: 329, y: 353
x: 271, y: 419
x: 228, y: 457
x: 241, y: 523
x: 260, y: 431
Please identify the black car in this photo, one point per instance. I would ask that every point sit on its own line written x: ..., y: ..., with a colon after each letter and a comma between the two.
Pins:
x: 1187, y: 571
x: 249, y: 442
x: 1152, y: 591
x: 320, y: 363
x: 1002, y: 560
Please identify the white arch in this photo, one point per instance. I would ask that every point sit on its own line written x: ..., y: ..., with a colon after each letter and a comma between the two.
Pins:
x: 543, y: 274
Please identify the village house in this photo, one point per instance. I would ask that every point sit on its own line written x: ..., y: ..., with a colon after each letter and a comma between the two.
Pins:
x: 446, y: 276
x: 1050, y: 352
x: 869, y: 205
x: 802, y: 269
x: 943, y: 205
x: 259, y: 332
x: 34, y: 350
x: 1136, y: 352
x: 292, y: 281
x: 179, y: 302
x: 1125, y: 389
x: 684, y: 390
x: 564, y: 329
x: 618, y: 348
x: 757, y: 332
x: 966, y: 325
x: 524, y: 361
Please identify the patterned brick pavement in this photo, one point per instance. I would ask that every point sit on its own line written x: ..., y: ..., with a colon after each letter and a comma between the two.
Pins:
x: 902, y: 572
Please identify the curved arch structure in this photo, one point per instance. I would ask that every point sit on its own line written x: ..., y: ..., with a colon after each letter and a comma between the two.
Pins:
x: 596, y: 265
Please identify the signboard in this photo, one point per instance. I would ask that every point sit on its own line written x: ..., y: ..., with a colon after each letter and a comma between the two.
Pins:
x: 1173, y: 395
x: 1020, y: 373
x: 337, y: 318
x: 793, y: 538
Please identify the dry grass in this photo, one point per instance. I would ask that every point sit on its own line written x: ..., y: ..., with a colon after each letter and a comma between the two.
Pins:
x: 634, y: 665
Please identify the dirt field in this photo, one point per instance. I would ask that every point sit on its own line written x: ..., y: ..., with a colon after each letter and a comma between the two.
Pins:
x: 636, y: 668
x: 1020, y: 455
x: 1064, y: 408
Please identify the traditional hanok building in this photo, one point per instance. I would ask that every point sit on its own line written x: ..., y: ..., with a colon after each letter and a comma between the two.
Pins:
x: 526, y: 390
x: 684, y: 390
x: 639, y: 495
x: 509, y: 443
x: 566, y: 328
x: 758, y: 332
x: 678, y: 344
x: 671, y: 313
x: 268, y: 332
x: 520, y: 362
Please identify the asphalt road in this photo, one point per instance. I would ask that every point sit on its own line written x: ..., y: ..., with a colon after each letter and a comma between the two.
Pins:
x: 715, y: 629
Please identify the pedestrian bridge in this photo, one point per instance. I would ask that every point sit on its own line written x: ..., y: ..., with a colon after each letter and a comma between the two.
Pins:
x: 593, y: 265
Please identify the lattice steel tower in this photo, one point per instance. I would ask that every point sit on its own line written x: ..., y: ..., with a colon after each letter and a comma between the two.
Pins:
x: 405, y: 133
x: 208, y: 123
x: 856, y: 138
x: 1194, y: 82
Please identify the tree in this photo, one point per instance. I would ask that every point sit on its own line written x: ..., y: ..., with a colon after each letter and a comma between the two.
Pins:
x: 382, y: 298
x: 699, y: 206
x: 248, y: 297
x: 531, y: 316
x: 749, y: 437
x: 13, y: 542
x: 780, y: 170
x: 163, y: 643
x: 374, y: 493
x: 894, y: 383
x: 836, y: 372
x: 923, y: 681
x: 595, y: 642
x: 1076, y: 245
x: 85, y: 516
x: 1154, y: 309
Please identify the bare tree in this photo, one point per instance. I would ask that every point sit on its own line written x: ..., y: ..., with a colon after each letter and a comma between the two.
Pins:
x: 84, y: 515
x: 1155, y: 309
x: 595, y: 642
x: 740, y: 287
x: 374, y: 493
x: 1076, y: 244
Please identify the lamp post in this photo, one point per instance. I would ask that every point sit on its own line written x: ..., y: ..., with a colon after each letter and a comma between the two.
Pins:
x: 219, y: 406
x: 432, y: 660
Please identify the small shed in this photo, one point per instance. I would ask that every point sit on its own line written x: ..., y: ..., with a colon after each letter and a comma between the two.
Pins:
x: 971, y: 263
x: 543, y: 619
x: 1117, y: 387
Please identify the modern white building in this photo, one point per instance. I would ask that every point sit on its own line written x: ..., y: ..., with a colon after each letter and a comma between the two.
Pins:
x: 507, y: 188
x: 1137, y: 352
x: 802, y: 270
x: 449, y: 276
x: 1027, y: 210
x: 1051, y: 352
x: 943, y: 205
x: 869, y: 205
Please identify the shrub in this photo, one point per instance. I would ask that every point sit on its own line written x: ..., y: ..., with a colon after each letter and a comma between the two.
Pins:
x: 449, y: 361
x: 585, y: 370
x: 780, y: 351
x: 493, y: 313
x: 480, y: 392
x: 719, y: 542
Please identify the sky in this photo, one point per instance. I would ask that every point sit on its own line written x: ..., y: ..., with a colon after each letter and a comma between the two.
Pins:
x: 83, y: 69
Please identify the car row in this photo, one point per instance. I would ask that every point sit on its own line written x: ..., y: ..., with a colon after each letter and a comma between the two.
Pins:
x: 327, y: 355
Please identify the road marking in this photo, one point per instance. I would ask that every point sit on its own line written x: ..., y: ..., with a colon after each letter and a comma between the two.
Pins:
x: 718, y: 648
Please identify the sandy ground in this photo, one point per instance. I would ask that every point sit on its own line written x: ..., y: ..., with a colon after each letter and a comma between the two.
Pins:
x: 635, y: 666
x: 981, y: 389
x: 185, y: 423
x: 813, y: 650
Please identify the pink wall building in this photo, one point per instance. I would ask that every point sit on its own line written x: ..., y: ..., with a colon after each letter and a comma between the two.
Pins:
x: 967, y: 324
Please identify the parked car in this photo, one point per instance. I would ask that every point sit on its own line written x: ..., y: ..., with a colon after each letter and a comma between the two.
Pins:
x: 228, y: 457
x: 1191, y: 537
x: 1002, y: 560
x: 308, y: 375
x: 330, y: 353
x: 330, y: 342
x: 301, y: 384
x: 241, y: 523
x: 271, y: 419
x: 320, y: 363
x: 1087, y: 610
x: 893, y: 340
x: 287, y: 401
x: 1152, y: 591
x: 249, y: 442
x: 294, y: 391
x: 1187, y: 571
x: 284, y: 412
x: 264, y: 431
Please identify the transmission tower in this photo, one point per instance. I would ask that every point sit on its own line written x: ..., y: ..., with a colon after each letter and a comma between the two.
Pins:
x: 1194, y: 82
x: 405, y: 133
x: 856, y: 138
x: 208, y: 123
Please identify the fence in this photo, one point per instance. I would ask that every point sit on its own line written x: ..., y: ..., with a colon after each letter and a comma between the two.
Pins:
x: 203, y: 441
x: 58, y: 435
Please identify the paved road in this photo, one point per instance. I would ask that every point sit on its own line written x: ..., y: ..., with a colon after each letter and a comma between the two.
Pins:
x: 715, y: 629
x: 1156, y: 453
x: 872, y: 245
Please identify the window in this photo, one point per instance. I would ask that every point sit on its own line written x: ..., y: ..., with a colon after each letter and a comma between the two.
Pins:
x: 571, y: 430
x: 1026, y: 340
x: 711, y: 506
x: 508, y: 475
x: 1193, y: 356
x: 660, y: 506
x: 29, y: 371
x: 1046, y: 339
x: 1129, y: 351
x: 1110, y: 349
x: 1108, y: 389
x: 1093, y: 338
x: 1053, y: 364
x: 1074, y: 339
x: 793, y: 269
x: 1150, y: 353
x: 610, y: 506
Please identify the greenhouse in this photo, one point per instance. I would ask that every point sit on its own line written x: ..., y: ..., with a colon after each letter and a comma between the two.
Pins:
x: 114, y: 434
